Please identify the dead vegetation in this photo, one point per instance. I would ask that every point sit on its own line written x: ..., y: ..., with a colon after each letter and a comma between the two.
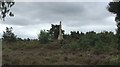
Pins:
x: 34, y: 53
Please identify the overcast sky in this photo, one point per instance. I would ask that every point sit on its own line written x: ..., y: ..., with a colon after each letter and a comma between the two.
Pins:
x: 31, y: 17
x: 64, y: 0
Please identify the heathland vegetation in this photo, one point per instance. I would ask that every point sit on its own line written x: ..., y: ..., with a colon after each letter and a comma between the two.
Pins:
x: 76, y: 48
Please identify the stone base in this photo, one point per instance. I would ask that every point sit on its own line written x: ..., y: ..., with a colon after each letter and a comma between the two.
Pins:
x: 60, y: 37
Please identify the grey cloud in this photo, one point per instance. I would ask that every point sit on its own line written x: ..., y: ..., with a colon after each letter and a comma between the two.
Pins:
x: 82, y: 16
x: 63, y: 11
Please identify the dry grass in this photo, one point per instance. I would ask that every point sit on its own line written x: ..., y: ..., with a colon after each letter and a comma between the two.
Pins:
x: 33, y: 53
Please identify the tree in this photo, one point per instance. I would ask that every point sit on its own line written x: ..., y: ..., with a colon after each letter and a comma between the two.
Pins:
x: 114, y: 7
x: 9, y: 36
x: 75, y: 34
x: 54, y: 31
x: 44, y: 37
x: 5, y: 6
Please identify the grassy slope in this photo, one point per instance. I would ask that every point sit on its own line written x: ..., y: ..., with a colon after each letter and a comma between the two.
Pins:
x: 33, y: 53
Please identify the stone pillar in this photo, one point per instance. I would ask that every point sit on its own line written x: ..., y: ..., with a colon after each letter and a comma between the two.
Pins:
x: 60, y: 36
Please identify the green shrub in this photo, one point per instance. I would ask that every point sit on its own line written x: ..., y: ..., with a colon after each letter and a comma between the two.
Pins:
x: 74, y: 45
x: 114, y: 60
x: 8, y: 35
x: 44, y: 37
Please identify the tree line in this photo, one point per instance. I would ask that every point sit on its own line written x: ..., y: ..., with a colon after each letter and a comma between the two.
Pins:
x: 100, y: 42
x: 47, y: 35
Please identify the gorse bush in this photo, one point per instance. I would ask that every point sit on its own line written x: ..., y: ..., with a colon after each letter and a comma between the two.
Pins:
x: 74, y: 45
x: 44, y: 37
x: 100, y: 41
x: 114, y: 60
